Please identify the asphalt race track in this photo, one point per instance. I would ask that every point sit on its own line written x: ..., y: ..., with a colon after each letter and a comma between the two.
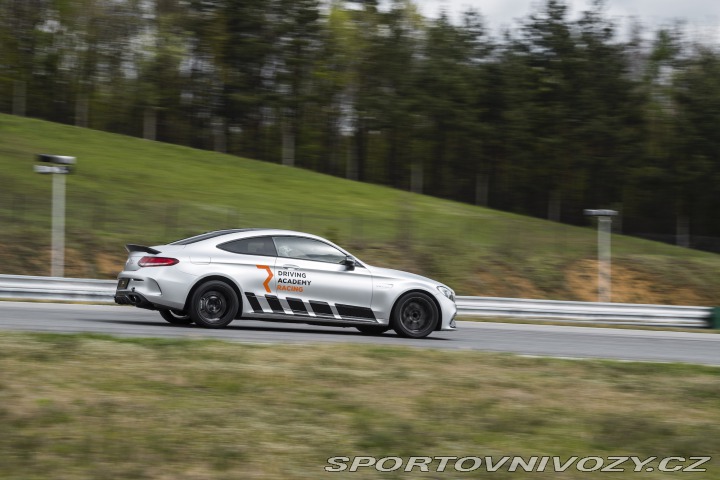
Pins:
x: 540, y: 340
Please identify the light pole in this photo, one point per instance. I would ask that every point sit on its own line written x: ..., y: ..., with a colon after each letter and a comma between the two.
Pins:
x: 62, y: 166
x: 604, y: 227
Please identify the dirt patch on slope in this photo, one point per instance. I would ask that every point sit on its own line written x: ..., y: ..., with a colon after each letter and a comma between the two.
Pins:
x: 495, y: 282
x: 26, y: 260
x: 629, y: 285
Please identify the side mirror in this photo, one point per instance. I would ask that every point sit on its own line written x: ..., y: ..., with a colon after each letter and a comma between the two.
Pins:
x: 349, y: 263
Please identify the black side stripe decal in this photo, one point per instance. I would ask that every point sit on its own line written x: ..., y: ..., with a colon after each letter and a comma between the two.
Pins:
x: 254, y: 303
x: 274, y: 304
x: 297, y: 306
x: 321, y: 309
x: 353, y: 311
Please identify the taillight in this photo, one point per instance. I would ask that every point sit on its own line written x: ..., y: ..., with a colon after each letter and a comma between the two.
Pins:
x: 157, y: 261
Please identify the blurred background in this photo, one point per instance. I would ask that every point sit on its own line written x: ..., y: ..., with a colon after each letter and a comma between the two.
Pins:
x: 563, y: 110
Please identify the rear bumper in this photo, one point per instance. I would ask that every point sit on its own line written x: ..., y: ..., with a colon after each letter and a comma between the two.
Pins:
x: 154, y: 288
x: 127, y: 297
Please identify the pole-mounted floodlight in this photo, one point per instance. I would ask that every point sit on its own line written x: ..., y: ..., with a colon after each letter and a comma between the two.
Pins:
x: 62, y: 166
x: 604, y: 227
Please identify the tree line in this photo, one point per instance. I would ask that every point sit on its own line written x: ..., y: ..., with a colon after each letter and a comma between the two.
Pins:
x: 558, y: 114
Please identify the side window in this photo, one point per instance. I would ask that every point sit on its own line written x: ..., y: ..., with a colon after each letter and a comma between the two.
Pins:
x: 251, y: 246
x: 308, y: 249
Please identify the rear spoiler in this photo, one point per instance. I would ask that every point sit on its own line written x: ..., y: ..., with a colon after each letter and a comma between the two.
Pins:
x: 131, y: 247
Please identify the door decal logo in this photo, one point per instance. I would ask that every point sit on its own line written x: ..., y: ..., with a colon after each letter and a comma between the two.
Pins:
x: 266, y: 283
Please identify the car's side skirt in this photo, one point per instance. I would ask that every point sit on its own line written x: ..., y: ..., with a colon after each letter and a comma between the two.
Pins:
x: 295, y: 309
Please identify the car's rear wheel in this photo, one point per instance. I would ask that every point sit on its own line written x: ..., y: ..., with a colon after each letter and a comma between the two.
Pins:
x: 415, y: 315
x: 175, y: 317
x: 214, y: 304
x: 373, y: 329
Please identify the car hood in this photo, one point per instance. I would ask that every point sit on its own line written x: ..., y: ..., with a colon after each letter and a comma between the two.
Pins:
x: 389, y: 273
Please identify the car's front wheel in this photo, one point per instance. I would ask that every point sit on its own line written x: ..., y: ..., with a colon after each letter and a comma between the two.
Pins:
x: 175, y: 317
x: 214, y: 304
x: 373, y: 329
x: 415, y: 315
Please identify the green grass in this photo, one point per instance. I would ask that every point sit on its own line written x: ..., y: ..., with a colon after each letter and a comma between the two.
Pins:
x: 89, y: 406
x: 129, y: 190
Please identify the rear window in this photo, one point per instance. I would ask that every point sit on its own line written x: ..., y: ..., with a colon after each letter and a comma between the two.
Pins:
x: 251, y: 246
x: 205, y: 236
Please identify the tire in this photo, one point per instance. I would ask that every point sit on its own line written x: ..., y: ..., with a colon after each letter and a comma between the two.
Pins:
x: 415, y: 315
x: 175, y: 317
x: 373, y: 329
x: 214, y: 305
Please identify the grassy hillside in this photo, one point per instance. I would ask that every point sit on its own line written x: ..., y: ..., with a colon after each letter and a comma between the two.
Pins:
x: 132, y: 190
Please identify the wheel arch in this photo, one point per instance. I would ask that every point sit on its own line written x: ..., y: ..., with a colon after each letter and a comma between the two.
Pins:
x: 221, y: 278
x: 418, y: 290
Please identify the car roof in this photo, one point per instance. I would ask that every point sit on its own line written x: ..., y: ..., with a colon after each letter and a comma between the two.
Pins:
x: 237, y: 233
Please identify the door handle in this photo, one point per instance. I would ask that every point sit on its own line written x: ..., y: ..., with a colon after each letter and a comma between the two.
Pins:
x: 291, y: 267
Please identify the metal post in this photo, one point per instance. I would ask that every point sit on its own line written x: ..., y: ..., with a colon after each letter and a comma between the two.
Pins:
x: 58, y: 226
x: 604, y: 227
x: 604, y: 282
x: 63, y: 165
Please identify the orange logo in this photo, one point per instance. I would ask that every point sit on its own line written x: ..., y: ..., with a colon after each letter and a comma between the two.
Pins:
x: 266, y: 283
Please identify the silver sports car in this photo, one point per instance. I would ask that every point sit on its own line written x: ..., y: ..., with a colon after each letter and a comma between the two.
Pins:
x: 279, y: 275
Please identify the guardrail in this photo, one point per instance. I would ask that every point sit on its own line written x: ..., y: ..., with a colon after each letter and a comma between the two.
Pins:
x: 52, y: 288
x: 590, y: 312
x: 102, y: 291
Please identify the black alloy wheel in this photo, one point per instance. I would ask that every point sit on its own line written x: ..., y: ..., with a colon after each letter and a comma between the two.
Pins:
x: 214, y: 305
x: 415, y: 315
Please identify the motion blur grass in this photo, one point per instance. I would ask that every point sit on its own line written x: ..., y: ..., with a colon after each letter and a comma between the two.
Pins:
x: 129, y: 190
x: 88, y: 406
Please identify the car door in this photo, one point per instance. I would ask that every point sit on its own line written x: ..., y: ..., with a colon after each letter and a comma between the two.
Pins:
x: 251, y: 263
x: 314, y: 281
